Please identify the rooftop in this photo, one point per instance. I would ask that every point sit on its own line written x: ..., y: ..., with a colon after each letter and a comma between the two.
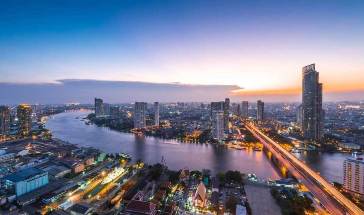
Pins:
x: 24, y: 174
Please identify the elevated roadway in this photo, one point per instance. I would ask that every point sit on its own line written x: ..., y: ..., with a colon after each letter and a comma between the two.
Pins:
x: 334, y: 201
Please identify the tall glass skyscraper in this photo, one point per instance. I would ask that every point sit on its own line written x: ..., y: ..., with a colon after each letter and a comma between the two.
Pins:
x: 4, y: 120
x: 260, y: 110
x: 312, y: 113
x: 99, y: 107
x: 140, y: 111
x: 24, y: 114
x: 156, y: 113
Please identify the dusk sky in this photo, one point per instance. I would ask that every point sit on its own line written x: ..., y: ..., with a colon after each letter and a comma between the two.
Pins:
x: 260, y: 46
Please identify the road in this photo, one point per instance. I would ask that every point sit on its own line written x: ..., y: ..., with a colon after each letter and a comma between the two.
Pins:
x: 329, y: 196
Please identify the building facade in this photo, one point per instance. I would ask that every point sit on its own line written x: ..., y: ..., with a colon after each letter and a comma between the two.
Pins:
x: 156, y: 113
x: 24, y: 115
x: 4, y: 120
x: 226, y: 114
x: 354, y: 176
x: 245, y: 109
x: 299, y: 116
x: 218, y: 125
x: 260, y: 110
x: 140, y: 111
x: 27, y: 180
x: 99, y: 107
x: 312, y: 113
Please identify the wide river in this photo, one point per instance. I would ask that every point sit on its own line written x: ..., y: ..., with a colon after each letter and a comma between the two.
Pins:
x: 69, y: 127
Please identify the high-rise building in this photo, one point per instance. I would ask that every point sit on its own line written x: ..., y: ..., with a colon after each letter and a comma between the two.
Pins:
x: 312, y: 113
x: 226, y: 114
x: 216, y: 106
x: 299, y: 116
x: 244, y: 109
x: 156, y: 113
x: 114, y: 112
x: 24, y: 115
x: 140, y: 110
x: 4, y: 120
x: 354, y: 175
x: 106, y: 109
x: 260, y: 110
x: 218, y: 125
x: 99, y: 107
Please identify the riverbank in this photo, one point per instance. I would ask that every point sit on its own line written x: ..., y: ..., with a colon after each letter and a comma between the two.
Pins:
x: 152, y: 150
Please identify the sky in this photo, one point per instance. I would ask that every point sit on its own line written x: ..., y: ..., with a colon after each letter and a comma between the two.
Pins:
x: 258, y: 46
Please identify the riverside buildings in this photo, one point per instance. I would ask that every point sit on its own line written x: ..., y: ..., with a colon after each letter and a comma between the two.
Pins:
x: 24, y: 115
x: 226, y: 114
x: 156, y: 113
x: 312, y: 113
x: 99, y: 107
x: 218, y: 125
x: 354, y: 176
x: 140, y: 109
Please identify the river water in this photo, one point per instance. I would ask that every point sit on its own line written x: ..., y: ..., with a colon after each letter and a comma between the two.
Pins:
x: 69, y: 127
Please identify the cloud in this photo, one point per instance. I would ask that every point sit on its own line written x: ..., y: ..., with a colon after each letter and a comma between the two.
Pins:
x: 84, y: 91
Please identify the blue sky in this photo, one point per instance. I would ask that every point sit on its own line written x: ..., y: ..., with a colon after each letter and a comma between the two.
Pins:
x: 257, y: 45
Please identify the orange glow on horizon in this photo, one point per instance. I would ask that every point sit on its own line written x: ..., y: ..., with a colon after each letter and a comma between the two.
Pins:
x: 328, y: 88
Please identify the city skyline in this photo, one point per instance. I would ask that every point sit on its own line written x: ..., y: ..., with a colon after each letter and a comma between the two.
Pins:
x: 190, y: 42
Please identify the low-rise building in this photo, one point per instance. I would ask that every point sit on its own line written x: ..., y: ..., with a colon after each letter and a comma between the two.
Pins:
x: 137, y: 207
x: 27, y: 180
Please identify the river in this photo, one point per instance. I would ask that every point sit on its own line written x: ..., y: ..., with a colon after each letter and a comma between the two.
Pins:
x: 69, y: 127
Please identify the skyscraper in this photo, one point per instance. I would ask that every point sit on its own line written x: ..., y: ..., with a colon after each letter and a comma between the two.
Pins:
x: 140, y: 109
x: 156, y: 113
x: 218, y: 125
x: 216, y: 106
x: 99, y: 107
x: 299, y: 116
x: 244, y: 109
x: 24, y: 114
x: 226, y: 114
x: 312, y: 113
x: 4, y: 120
x: 260, y: 110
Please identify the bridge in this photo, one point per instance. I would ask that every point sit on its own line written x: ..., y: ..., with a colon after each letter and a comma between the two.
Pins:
x: 334, y: 201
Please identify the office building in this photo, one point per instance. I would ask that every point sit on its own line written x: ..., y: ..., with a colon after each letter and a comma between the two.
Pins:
x: 99, y: 107
x: 260, y: 110
x: 218, y: 125
x: 216, y: 106
x: 114, y: 112
x: 299, y: 116
x: 24, y: 115
x: 107, y: 109
x: 26, y: 180
x: 312, y: 113
x: 156, y: 113
x: 226, y: 114
x: 244, y: 109
x: 4, y: 120
x: 354, y: 176
x: 140, y: 110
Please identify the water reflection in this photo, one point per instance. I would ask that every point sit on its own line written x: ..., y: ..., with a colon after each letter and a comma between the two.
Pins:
x: 65, y: 126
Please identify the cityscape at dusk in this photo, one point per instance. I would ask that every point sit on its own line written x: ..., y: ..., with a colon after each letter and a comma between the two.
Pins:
x: 123, y: 107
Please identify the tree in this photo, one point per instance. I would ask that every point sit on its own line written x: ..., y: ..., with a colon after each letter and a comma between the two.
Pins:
x: 230, y: 204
